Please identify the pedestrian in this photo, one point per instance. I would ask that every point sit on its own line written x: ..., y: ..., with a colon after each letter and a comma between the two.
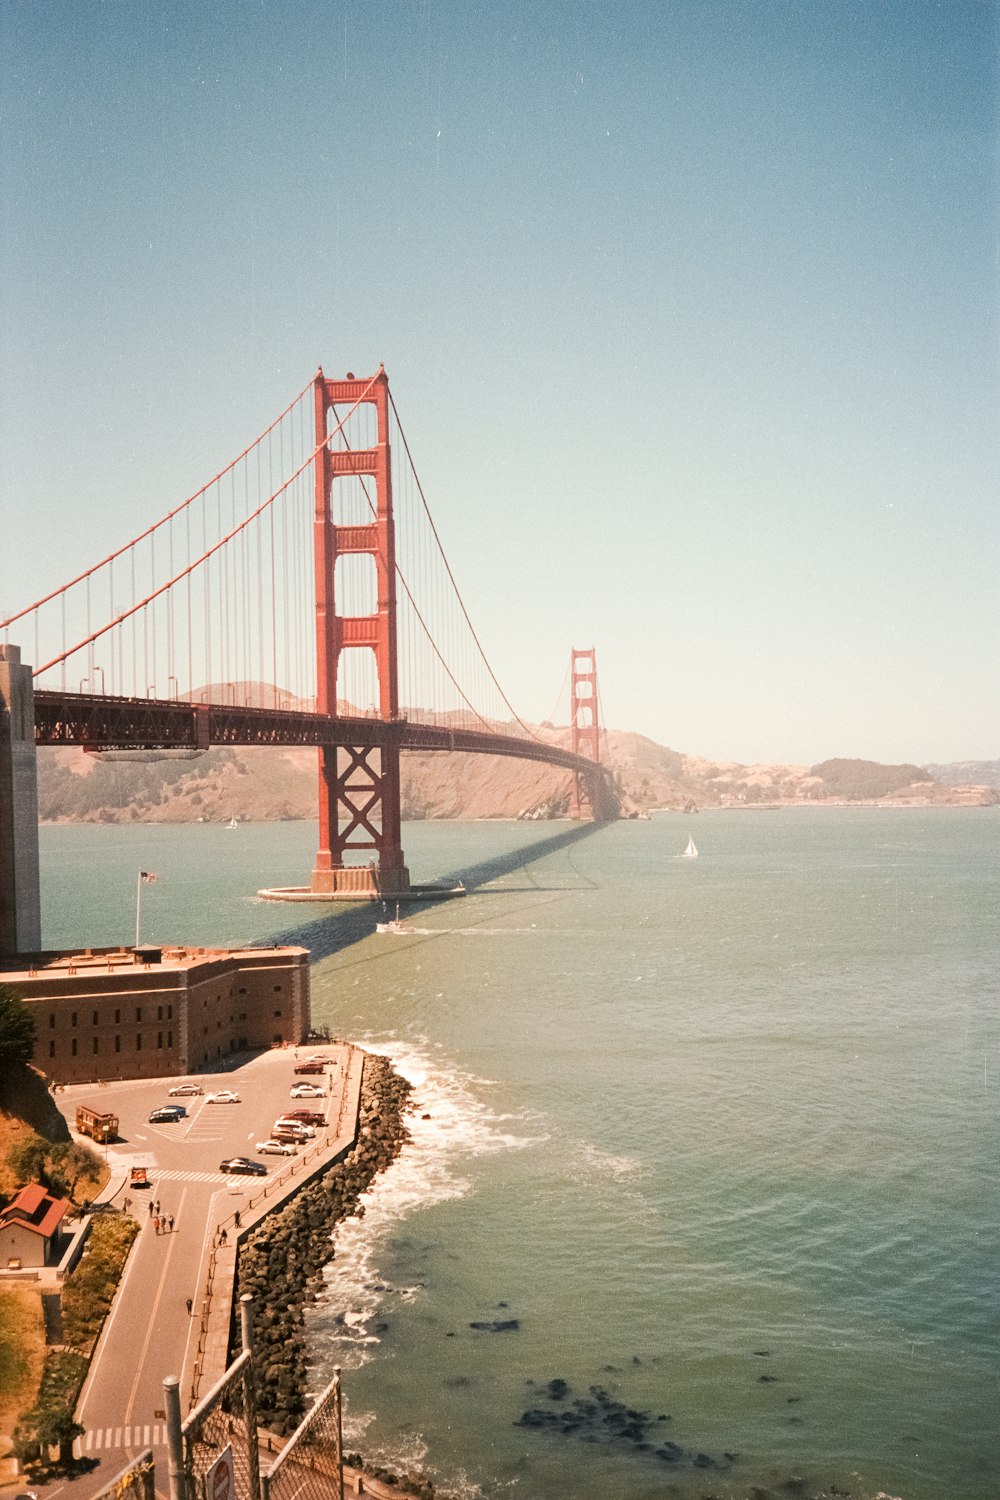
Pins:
x: 156, y: 1223
x: 150, y: 1208
x: 157, y: 1205
x: 223, y: 1237
x: 170, y: 1223
x: 126, y: 1205
x: 237, y: 1220
x: 189, y: 1304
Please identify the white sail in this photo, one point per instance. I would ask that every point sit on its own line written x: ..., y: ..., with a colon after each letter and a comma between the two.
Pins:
x: 691, y: 851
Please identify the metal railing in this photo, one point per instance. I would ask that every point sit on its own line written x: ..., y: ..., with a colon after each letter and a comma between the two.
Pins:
x: 136, y: 1482
x: 311, y: 1465
x: 224, y: 1423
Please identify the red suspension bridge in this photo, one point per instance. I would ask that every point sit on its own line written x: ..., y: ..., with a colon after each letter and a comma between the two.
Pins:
x: 301, y: 597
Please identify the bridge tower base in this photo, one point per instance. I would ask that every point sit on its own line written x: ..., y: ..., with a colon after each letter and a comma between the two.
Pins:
x: 20, y: 902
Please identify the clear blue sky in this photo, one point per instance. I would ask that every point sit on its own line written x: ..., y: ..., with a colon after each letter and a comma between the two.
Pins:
x: 690, y: 312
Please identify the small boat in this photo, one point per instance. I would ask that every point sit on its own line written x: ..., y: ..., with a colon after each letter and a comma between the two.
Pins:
x: 395, y: 927
x: 691, y: 852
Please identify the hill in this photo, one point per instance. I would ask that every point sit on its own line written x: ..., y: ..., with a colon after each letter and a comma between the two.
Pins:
x: 255, y: 785
x: 967, y: 773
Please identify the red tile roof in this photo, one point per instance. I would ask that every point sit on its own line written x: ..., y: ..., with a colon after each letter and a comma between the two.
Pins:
x: 35, y: 1209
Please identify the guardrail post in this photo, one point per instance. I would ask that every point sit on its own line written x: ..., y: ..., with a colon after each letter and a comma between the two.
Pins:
x: 246, y: 1321
x: 175, y: 1443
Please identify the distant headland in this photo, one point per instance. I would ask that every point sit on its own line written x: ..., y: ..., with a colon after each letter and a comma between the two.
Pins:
x: 262, y: 785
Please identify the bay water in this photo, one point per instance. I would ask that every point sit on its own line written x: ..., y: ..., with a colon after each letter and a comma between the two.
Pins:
x: 712, y: 1142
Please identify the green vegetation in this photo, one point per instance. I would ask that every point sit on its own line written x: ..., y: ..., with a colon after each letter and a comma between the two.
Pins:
x: 17, y: 1032
x: 87, y: 1296
x: 60, y: 1166
x: 89, y: 1290
x: 50, y: 1423
x: 864, y: 780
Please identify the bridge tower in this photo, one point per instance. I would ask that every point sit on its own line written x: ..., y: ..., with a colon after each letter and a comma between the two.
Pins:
x: 585, y: 733
x: 359, y: 785
x: 20, y: 905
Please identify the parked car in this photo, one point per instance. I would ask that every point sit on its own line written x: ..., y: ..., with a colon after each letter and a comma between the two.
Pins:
x: 243, y: 1164
x: 311, y: 1065
x: 307, y: 1116
x: 276, y: 1148
x: 224, y: 1096
x: 167, y: 1114
x: 307, y: 1091
x: 181, y: 1089
x: 292, y: 1130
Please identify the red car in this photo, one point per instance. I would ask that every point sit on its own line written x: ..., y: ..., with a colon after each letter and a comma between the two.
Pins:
x: 310, y: 1067
x: 307, y: 1116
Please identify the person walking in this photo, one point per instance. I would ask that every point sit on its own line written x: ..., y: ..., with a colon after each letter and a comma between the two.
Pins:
x: 237, y: 1220
x: 156, y: 1206
x: 156, y: 1223
x: 150, y: 1208
x: 223, y: 1237
x: 170, y: 1223
x: 189, y: 1304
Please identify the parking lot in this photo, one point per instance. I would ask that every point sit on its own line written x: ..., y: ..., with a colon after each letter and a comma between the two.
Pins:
x: 152, y: 1330
x: 191, y: 1148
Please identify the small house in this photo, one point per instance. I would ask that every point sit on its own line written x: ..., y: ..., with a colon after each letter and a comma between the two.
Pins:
x: 30, y: 1228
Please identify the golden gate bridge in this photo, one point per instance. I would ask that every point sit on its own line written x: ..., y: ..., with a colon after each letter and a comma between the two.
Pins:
x: 301, y: 597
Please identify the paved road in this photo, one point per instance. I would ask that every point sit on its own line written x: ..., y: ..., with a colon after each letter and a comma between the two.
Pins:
x: 148, y: 1332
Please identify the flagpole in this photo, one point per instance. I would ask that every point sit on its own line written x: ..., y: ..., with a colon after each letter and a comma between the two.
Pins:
x: 138, y: 903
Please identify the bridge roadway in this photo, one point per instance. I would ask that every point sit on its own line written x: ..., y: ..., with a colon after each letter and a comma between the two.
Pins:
x: 149, y: 1333
x: 113, y: 723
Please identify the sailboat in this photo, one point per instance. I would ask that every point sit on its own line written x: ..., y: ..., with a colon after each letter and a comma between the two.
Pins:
x: 691, y: 852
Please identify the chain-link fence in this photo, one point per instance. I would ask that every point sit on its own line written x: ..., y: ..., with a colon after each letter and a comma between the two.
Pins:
x: 310, y: 1466
x: 220, y: 1439
x: 134, y: 1483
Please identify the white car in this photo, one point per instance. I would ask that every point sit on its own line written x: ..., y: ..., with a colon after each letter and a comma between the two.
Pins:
x: 307, y: 1091
x: 275, y: 1148
x: 298, y: 1128
x: 224, y: 1096
x: 182, y: 1089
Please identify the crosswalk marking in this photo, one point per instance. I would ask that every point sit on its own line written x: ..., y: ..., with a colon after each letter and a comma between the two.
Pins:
x: 96, y: 1438
x: 188, y: 1176
x: 233, y: 1178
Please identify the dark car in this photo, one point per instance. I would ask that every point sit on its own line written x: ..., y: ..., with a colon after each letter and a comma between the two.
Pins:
x: 243, y: 1164
x: 167, y: 1113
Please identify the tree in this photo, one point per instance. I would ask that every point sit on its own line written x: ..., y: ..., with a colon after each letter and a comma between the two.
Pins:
x: 26, y: 1158
x: 69, y: 1163
x: 57, y: 1427
x: 17, y: 1029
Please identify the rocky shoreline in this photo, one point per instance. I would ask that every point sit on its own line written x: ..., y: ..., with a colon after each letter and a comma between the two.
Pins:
x: 281, y: 1262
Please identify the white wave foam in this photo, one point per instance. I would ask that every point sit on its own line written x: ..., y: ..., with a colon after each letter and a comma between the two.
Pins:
x: 605, y: 1164
x: 448, y: 1123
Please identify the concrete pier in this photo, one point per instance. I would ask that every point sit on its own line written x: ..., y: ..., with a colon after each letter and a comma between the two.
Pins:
x: 20, y: 902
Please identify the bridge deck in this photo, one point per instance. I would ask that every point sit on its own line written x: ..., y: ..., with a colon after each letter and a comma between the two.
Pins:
x: 110, y: 723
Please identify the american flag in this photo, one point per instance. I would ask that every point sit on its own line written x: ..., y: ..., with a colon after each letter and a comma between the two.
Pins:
x: 147, y: 877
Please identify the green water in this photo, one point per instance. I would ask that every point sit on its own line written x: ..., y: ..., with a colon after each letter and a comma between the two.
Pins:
x: 692, y: 1124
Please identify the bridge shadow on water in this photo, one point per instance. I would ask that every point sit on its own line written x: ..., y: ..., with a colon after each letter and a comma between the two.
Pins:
x: 342, y: 925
